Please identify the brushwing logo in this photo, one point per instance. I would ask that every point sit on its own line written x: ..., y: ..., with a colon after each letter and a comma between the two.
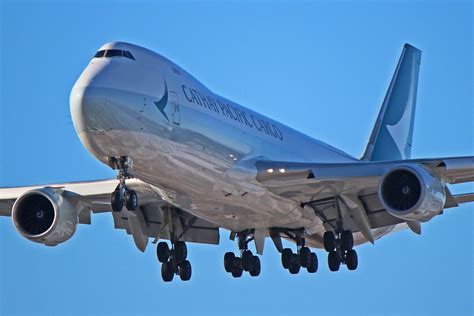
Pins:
x: 163, y: 102
x: 400, y: 131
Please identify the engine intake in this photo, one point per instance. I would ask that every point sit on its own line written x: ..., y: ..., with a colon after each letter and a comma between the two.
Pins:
x: 45, y: 216
x: 35, y: 214
x: 412, y: 192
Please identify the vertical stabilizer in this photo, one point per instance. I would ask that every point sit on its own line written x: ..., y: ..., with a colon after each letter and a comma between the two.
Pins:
x: 391, y: 138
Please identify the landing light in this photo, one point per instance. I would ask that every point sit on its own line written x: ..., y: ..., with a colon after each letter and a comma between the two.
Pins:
x: 270, y: 170
x: 282, y: 170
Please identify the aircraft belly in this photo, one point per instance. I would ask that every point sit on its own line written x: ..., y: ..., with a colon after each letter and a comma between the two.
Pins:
x: 187, y: 179
x: 196, y: 181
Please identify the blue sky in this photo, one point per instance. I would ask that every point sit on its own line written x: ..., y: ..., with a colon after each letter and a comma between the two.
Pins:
x: 321, y: 67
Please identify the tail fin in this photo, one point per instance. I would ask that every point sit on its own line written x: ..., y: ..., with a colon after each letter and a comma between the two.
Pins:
x: 391, y: 138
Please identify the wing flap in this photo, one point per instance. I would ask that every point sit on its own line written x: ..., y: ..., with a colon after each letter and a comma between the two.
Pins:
x: 192, y: 229
x: 464, y: 198
x: 375, y: 215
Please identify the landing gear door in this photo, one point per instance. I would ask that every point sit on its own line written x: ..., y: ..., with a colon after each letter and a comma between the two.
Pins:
x: 175, y: 108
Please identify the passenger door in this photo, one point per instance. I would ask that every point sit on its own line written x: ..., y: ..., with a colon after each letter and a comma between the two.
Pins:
x: 175, y: 108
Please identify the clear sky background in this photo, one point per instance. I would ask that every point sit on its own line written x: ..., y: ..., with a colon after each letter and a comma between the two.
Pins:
x: 321, y: 67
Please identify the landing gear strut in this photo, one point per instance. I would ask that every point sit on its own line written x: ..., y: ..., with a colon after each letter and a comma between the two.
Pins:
x: 339, y: 247
x: 122, y: 194
x: 293, y: 262
x: 173, y: 261
x: 246, y: 261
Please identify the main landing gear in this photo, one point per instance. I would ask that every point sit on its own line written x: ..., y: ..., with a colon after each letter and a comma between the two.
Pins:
x: 122, y: 194
x: 245, y: 262
x: 339, y: 247
x: 173, y: 261
x: 303, y: 257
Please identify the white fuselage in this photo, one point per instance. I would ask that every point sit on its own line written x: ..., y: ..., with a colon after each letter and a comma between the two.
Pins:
x: 196, y: 147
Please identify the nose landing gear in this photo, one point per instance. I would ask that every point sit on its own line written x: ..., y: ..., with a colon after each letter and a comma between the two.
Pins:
x: 122, y: 194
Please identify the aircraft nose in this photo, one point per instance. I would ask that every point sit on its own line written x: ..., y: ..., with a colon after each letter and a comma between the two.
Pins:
x: 88, y: 105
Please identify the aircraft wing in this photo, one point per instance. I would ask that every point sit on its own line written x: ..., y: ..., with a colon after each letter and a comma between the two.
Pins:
x: 354, y: 187
x: 307, y: 181
x: 150, y: 220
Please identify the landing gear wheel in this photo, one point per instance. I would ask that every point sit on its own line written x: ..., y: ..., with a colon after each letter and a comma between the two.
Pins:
x: 287, y: 258
x: 351, y: 259
x: 295, y: 264
x: 305, y: 257
x: 329, y: 241
x: 185, y: 270
x: 247, y: 260
x: 229, y: 261
x: 347, y: 240
x: 167, y: 271
x: 255, y: 271
x: 162, y: 252
x: 180, y: 251
x: 131, y: 200
x: 116, y: 201
x: 313, y: 263
x: 237, y: 268
x: 333, y: 261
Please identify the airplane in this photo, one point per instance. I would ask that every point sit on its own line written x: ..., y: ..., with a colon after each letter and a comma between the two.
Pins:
x: 190, y: 163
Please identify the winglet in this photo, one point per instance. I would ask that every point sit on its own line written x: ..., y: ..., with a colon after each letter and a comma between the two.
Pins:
x: 391, y: 138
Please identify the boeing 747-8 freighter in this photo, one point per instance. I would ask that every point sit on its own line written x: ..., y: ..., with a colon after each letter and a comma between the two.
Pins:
x: 190, y: 162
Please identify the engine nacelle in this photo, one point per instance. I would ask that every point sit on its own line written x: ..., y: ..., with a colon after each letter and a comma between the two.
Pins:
x: 412, y: 192
x: 45, y: 216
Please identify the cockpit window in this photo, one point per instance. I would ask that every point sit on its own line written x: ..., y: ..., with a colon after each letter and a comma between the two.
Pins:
x: 127, y: 54
x: 114, y: 53
x: 99, y: 54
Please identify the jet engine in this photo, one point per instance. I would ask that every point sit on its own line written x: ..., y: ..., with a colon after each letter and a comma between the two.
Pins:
x: 45, y: 216
x: 412, y: 192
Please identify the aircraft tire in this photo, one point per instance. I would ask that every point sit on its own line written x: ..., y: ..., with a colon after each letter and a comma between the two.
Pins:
x: 247, y: 260
x: 347, y: 240
x: 167, y: 271
x: 180, y: 251
x: 237, y: 269
x: 351, y: 260
x: 229, y: 261
x: 131, y: 200
x: 115, y: 201
x: 333, y: 261
x: 162, y: 252
x: 295, y: 265
x: 305, y: 257
x: 313, y: 264
x: 256, y: 267
x: 329, y: 241
x: 185, y: 270
x: 286, y: 258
